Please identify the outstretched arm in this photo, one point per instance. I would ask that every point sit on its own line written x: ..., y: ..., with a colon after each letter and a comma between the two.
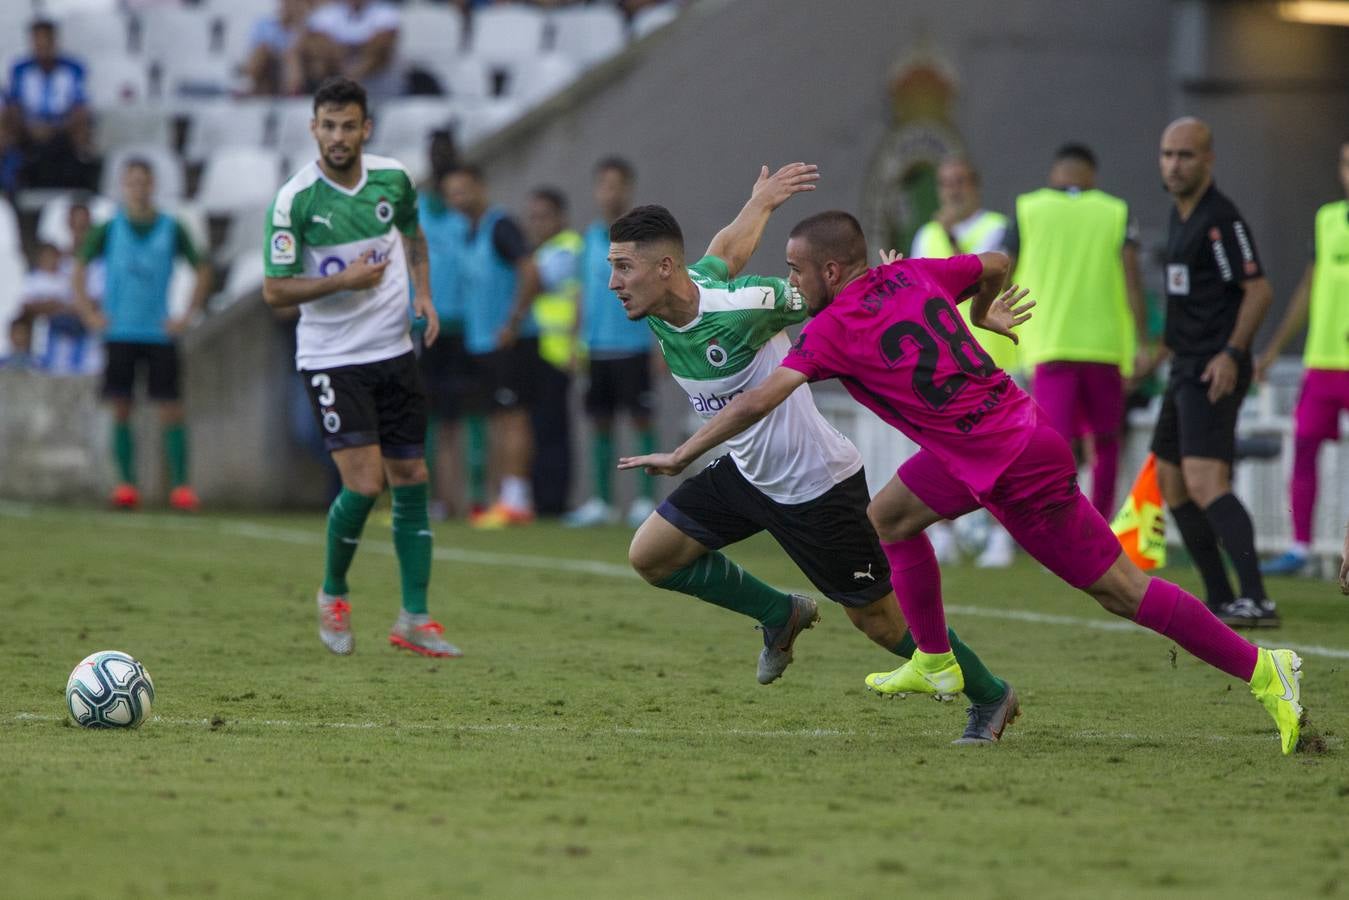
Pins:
x: 742, y: 412
x: 996, y: 265
x: 736, y: 243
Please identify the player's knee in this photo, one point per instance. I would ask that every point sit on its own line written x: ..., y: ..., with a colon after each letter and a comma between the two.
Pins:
x: 651, y: 567
x: 892, y: 524
x: 1120, y: 589
x: 370, y: 484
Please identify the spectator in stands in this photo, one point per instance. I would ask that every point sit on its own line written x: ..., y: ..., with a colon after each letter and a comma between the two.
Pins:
x: 354, y: 38
x: 501, y: 282
x: 46, y: 135
x: 139, y: 246
x: 273, y: 65
x: 620, y: 356
x: 557, y: 256
x: 68, y: 348
x: 20, y: 344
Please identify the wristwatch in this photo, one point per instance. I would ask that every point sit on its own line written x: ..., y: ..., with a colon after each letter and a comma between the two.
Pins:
x: 1238, y: 355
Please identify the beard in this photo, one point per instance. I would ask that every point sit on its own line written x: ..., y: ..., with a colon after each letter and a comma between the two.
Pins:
x: 345, y: 165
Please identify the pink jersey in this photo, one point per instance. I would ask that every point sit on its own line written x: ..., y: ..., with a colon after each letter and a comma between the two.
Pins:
x: 900, y: 347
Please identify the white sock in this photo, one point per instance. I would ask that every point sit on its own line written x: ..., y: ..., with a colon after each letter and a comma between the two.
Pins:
x: 515, y: 492
x: 1298, y: 548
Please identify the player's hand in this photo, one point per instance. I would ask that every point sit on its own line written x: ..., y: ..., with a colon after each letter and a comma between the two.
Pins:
x: 774, y: 190
x: 423, y: 308
x: 1008, y: 310
x: 1262, y: 365
x: 1221, y: 377
x: 364, y: 274
x: 654, y: 463
x: 890, y: 256
x: 95, y: 321
x: 507, y: 336
x: 178, y: 324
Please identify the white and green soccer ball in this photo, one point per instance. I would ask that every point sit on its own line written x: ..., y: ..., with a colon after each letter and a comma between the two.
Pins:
x: 109, y: 689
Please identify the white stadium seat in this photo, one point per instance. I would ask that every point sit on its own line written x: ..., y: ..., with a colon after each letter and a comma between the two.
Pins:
x: 92, y: 32
x: 535, y: 80
x: 293, y: 138
x: 133, y: 123
x: 13, y: 47
x: 507, y: 32
x: 167, y: 169
x: 116, y: 80
x: 429, y: 34
x: 653, y: 18
x: 465, y: 78
x: 9, y: 228
x: 403, y: 126
x: 245, y: 275
x: 175, y: 34
x: 587, y: 34
x: 225, y: 123
x: 194, y: 77
x: 238, y: 178
x: 11, y: 276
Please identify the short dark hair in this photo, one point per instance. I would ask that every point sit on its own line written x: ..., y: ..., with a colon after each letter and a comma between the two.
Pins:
x: 552, y: 196
x: 466, y: 168
x: 616, y: 164
x: 833, y: 235
x: 1075, y: 151
x: 138, y: 162
x: 339, y: 91
x: 645, y: 225
x: 42, y: 23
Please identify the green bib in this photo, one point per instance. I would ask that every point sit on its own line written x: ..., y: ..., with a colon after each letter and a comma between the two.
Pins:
x: 1070, y: 261
x: 1328, y: 335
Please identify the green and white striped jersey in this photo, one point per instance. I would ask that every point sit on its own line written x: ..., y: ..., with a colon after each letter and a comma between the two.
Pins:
x: 315, y: 228
x: 734, y: 343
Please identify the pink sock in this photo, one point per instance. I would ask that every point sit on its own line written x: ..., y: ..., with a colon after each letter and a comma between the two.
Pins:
x: 1104, y: 472
x: 1169, y: 611
x: 1302, y: 489
x: 916, y: 578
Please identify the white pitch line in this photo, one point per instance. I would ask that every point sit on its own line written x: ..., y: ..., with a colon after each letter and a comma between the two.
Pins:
x: 627, y: 731
x: 260, y: 531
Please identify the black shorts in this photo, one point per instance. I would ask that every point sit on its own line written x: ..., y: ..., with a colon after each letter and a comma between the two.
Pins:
x: 160, y: 362
x: 1189, y: 425
x: 509, y: 377
x: 451, y: 379
x: 371, y: 403
x: 620, y: 383
x: 829, y: 538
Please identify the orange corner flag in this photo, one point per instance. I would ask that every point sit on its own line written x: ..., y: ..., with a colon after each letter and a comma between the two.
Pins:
x: 1141, y: 524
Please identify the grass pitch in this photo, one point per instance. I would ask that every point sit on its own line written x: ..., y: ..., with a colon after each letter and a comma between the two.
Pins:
x: 605, y: 739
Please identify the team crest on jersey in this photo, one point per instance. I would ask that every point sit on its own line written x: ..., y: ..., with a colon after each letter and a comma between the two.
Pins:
x: 384, y: 211
x: 716, y: 355
x: 283, y: 248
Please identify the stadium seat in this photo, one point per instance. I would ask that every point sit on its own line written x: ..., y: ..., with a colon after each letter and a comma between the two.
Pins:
x: 245, y: 276
x: 53, y: 222
x: 58, y: 8
x: 293, y: 138
x: 225, y: 123
x: 167, y: 168
x: 429, y: 34
x: 10, y: 238
x: 534, y: 80
x: 403, y: 126
x: 12, y: 270
x: 133, y: 123
x: 507, y: 32
x: 236, y: 178
x: 481, y: 120
x: 173, y: 35
x: 653, y: 18
x: 465, y: 78
x: 194, y: 77
x: 587, y: 34
x: 94, y: 32
x: 13, y: 46
x: 114, y: 80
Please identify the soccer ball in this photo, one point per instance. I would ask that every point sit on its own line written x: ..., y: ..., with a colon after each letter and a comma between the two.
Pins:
x: 972, y: 530
x: 109, y: 689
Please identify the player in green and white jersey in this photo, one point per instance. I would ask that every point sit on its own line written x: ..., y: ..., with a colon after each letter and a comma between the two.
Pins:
x: 342, y: 236
x: 791, y: 474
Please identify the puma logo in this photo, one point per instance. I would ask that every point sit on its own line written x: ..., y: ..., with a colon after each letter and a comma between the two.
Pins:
x: 324, y: 220
x: 858, y: 576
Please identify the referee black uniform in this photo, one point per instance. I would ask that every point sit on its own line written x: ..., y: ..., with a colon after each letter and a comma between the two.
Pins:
x: 1209, y: 258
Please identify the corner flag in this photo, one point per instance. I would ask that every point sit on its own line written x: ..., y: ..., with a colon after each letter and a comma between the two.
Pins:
x: 1140, y: 524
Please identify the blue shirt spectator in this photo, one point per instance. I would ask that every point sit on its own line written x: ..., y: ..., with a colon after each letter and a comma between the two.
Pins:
x: 46, y: 140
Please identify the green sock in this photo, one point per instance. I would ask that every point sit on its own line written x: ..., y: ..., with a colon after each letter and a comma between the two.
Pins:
x: 602, y: 457
x: 412, y: 543
x: 124, y: 451
x: 646, y: 443
x: 346, y: 518
x: 714, y: 578
x: 981, y: 685
x: 175, y: 451
x: 476, y: 458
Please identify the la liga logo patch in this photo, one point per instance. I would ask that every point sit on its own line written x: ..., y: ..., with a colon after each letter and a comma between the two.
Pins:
x: 283, y: 248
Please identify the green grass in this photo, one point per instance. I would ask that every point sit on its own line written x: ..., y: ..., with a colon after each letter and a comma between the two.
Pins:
x: 605, y: 739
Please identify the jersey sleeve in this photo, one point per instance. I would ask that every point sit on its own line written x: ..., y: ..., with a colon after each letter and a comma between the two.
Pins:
x: 812, y: 352
x: 183, y: 244
x: 1239, y: 247
x: 407, y: 216
x: 713, y: 267
x: 282, y: 251
x: 785, y: 307
x: 93, y: 244
x: 956, y: 275
x: 509, y: 241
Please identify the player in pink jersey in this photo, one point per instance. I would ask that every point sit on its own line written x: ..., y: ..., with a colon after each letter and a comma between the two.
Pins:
x: 893, y: 336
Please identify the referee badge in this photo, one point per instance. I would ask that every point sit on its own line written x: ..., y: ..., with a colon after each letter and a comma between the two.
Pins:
x: 384, y: 211
x: 716, y: 355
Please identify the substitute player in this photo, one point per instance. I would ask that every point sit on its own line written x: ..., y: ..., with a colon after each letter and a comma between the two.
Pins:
x: 792, y: 475
x: 342, y: 235
x: 893, y: 336
x: 1324, y: 290
x: 1216, y: 297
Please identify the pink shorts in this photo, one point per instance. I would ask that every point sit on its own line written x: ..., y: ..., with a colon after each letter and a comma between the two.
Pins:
x: 1324, y: 393
x: 1036, y: 499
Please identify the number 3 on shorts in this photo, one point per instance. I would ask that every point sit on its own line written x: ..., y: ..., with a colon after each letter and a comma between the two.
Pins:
x: 326, y: 397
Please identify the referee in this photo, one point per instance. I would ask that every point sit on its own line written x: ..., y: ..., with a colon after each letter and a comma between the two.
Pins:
x: 1216, y: 296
